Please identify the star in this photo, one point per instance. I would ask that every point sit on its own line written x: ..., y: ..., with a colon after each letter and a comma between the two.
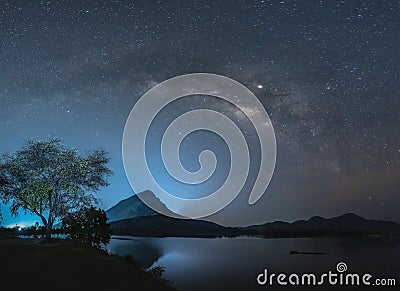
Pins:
x: 331, y: 88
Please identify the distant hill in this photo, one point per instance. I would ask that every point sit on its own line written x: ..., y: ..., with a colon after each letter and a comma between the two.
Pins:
x: 161, y: 226
x: 345, y: 225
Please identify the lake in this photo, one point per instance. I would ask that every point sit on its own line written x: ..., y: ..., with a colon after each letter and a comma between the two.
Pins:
x: 234, y: 263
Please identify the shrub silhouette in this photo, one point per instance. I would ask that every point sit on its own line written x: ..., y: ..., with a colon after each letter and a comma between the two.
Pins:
x: 88, y: 225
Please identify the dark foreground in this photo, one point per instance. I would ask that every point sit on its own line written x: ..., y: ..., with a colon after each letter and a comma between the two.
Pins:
x: 68, y: 265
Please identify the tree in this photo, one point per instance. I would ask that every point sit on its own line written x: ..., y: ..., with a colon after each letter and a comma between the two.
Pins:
x: 48, y: 180
x: 88, y: 225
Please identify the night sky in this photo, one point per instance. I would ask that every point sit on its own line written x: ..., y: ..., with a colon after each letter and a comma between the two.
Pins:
x: 327, y: 72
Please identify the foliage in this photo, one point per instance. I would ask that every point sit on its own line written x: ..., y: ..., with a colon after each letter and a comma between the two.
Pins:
x: 46, y: 179
x: 158, y: 273
x: 88, y: 225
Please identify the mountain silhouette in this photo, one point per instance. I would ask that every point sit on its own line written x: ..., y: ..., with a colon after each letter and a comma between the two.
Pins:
x: 348, y: 224
x: 134, y: 207
x: 132, y: 217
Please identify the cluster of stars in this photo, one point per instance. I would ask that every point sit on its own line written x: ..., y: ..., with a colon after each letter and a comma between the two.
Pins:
x: 326, y: 71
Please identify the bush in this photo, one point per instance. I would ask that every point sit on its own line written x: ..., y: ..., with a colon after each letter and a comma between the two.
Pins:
x: 89, y: 225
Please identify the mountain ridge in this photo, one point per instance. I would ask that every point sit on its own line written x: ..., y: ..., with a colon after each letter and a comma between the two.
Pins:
x: 133, y: 217
x: 162, y: 226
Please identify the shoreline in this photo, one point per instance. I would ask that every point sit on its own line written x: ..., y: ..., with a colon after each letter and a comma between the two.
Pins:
x: 257, y: 236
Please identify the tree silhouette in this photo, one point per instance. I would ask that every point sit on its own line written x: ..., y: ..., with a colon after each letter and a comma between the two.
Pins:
x: 48, y: 180
x: 89, y: 225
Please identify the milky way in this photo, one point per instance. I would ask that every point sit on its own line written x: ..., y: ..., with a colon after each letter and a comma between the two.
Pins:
x: 327, y: 72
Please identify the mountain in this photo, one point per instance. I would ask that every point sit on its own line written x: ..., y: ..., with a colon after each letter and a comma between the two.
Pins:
x: 134, y: 207
x: 130, y: 208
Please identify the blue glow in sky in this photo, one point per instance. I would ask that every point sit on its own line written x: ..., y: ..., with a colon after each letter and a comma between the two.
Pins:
x: 327, y: 72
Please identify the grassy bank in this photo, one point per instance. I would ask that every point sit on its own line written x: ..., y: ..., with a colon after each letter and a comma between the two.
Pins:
x: 69, y: 265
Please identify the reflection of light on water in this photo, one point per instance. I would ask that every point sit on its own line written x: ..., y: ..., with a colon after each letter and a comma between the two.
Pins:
x: 173, y: 259
x: 140, y: 249
x: 18, y: 227
x: 53, y: 235
x: 180, y: 267
x: 196, y: 264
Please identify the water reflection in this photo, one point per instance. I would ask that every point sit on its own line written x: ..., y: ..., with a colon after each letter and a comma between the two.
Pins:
x: 139, y: 249
x: 233, y: 263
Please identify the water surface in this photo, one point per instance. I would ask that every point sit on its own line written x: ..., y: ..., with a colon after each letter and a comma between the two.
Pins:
x: 234, y: 263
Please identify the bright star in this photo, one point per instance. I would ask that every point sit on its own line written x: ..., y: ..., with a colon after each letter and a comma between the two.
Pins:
x: 259, y: 86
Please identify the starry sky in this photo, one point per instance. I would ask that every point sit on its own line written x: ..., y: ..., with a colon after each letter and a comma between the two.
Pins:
x: 327, y: 72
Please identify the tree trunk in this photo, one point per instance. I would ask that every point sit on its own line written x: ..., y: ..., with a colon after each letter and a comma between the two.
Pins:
x: 48, y: 225
x: 48, y: 232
